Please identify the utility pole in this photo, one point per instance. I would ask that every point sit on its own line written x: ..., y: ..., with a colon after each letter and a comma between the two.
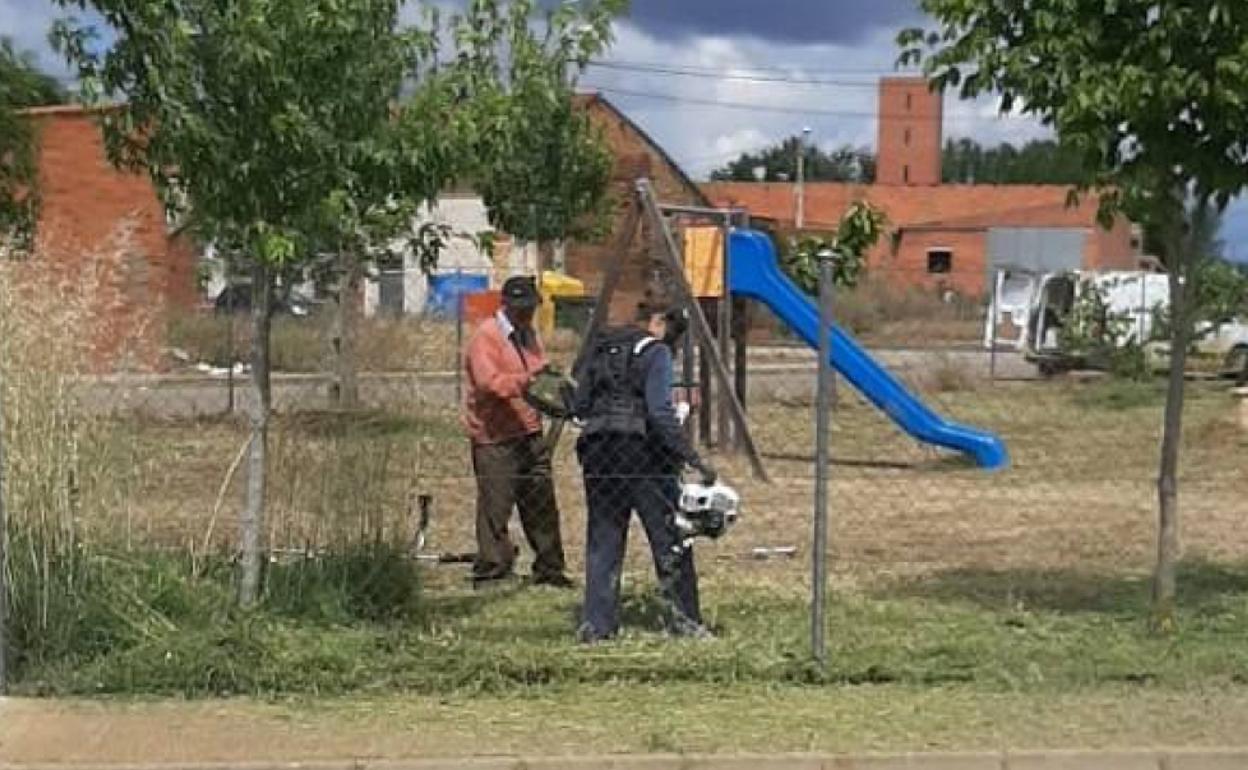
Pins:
x: 800, y: 219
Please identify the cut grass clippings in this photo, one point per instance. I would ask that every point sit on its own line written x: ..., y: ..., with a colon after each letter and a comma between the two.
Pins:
x: 998, y: 632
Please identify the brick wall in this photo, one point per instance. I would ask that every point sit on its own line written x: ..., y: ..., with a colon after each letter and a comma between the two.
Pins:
x: 109, y: 226
x: 1112, y: 249
x: 908, y: 265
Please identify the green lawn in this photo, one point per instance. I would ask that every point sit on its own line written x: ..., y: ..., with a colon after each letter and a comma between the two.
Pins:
x: 962, y: 603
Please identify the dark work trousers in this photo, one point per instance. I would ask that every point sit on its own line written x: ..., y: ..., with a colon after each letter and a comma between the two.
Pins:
x: 516, y: 474
x: 622, y: 476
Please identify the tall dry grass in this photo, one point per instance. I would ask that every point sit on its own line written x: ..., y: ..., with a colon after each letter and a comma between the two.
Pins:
x: 66, y: 473
x: 83, y: 590
x: 300, y: 344
x: 408, y: 344
x: 884, y: 312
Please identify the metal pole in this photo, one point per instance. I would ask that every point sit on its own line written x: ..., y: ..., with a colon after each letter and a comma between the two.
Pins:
x: 800, y: 219
x: 823, y: 411
x: 230, y: 348
x: 992, y: 326
x: 704, y: 211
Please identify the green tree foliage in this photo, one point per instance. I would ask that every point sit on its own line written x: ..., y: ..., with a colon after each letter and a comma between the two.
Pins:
x: 22, y: 85
x: 1151, y: 95
x: 1217, y: 291
x: 964, y: 161
x: 266, y: 120
x: 538, y: 162
x: 844, y: 164
x: 1097, y: 336
x: 860, y: 228
x: 1042, y: 161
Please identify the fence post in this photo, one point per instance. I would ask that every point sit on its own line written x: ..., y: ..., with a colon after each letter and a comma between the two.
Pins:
x: 823, y: 410
x: 4, y: 562
x: 993, y: 310
x: 459, y: 334
x: 231, y: 354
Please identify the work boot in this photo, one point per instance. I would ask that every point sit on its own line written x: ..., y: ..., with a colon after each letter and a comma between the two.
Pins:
x: 557, y: 580
x: 493, y: 584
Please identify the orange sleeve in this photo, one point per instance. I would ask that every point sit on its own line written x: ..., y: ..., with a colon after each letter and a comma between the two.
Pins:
x: 484, y: 369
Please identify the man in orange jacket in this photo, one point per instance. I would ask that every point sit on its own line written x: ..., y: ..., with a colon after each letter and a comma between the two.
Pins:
x: 510, y: 459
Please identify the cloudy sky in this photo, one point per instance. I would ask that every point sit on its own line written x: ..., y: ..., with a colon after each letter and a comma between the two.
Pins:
x: 712, y: 78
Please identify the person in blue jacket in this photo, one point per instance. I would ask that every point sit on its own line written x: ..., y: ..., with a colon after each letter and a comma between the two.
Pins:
x: 632, y: 451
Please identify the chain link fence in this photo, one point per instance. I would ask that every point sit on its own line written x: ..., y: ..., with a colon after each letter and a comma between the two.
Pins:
x: 153, y: 461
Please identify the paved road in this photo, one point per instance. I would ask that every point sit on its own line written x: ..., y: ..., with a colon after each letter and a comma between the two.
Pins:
x: 775, y: 372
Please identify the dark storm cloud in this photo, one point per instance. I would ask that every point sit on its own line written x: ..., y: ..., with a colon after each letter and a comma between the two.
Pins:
x: 803, y: 22
x: 800, y: 22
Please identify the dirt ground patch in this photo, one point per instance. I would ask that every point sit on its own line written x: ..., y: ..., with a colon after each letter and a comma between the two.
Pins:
x: 582, y: 721
x: 1079, y: 491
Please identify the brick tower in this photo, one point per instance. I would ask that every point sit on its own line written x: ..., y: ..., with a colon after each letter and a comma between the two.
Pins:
x: 911, y: 117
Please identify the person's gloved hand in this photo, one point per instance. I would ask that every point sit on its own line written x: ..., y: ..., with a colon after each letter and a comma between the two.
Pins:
x: 707, y: 472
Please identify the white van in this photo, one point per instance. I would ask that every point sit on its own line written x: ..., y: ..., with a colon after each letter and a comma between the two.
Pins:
x: 1028, y: 309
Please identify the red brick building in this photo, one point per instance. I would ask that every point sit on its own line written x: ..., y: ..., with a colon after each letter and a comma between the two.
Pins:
x: 99, y: 220
x: 105, y: 231
x: 944, y: 235
x: 636, y: 156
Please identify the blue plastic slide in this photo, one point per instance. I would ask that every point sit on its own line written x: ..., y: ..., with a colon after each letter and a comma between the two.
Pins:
x: 755, y: 273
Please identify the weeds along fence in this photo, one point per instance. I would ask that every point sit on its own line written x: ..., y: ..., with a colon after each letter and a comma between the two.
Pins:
x: 123, y: 487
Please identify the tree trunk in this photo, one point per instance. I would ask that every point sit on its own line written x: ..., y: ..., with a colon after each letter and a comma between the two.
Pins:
x: 344, y: 392
x: 1168, y: 475
x: 252, y: 523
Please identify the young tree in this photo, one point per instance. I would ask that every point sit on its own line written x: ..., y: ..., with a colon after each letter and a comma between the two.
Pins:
x: 542, y: 166
x: 779, y: 161
x: 513, y: 127
x: 22, y: 85
x: 1152, y: 95
x: 861, y: 227
x: 255, y: 116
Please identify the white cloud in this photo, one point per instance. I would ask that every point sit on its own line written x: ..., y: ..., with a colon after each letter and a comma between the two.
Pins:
x: 702, y: 135
x: 28, y: 23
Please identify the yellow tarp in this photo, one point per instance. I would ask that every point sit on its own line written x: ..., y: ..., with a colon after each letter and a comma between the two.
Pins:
x: 704, y: 261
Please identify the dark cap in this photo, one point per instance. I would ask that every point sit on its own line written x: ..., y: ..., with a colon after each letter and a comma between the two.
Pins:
x: 520, y: 292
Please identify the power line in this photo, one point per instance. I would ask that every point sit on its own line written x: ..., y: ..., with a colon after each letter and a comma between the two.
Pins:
x: 779, y: 109
x: 697, y: 101
x: 656, y: 69
x: 754, y: 68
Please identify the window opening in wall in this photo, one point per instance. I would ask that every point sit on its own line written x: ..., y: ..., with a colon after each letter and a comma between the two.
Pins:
x: 909, y: 102
x: 939, y: 261
x: 905, y: 174
x: 907, y: 137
